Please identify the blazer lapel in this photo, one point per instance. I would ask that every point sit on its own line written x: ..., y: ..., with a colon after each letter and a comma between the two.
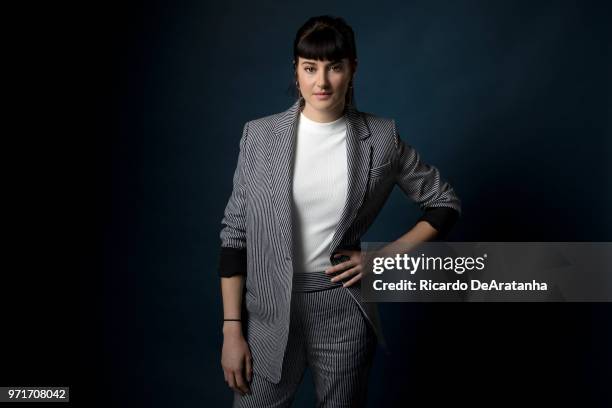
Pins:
x: 281, y: 168
x: 359, y: 155
x: 358, y: 152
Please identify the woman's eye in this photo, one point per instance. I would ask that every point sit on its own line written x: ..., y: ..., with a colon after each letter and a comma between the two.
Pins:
x: 336, y: 68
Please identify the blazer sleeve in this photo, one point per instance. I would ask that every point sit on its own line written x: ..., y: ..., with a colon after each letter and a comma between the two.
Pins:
x: 423, y: 184
x: 232, y: 257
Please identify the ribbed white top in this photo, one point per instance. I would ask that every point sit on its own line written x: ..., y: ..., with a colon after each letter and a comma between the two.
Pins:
x: 320, y: 183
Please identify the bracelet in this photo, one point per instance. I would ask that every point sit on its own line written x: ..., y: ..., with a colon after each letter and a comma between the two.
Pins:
x: 232, y: 320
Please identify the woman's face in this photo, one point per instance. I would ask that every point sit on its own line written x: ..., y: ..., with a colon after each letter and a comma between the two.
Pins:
x: 323, y: 84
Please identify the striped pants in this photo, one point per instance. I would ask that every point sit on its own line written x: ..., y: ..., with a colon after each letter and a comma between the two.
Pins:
x: 329, y: 334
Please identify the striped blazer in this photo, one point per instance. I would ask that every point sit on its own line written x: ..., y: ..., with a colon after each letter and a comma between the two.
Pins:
x: 256, y: 234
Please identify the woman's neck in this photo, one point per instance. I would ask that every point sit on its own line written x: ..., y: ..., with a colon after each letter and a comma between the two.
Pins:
x: 323, y: 116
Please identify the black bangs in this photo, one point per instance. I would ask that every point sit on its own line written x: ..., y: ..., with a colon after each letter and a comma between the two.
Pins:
x: 324, y: 43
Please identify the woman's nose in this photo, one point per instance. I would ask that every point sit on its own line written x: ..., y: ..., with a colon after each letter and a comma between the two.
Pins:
x: 322, y: 80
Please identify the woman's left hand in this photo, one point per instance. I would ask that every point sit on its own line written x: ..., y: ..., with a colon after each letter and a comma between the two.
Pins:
x: 351, y: 267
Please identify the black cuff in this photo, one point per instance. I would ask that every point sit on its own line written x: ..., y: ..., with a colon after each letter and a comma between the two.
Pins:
x: 441, y: 218
x: 232, y: 261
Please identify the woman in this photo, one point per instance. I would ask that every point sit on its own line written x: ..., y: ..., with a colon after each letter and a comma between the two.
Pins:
x: 308, y: 184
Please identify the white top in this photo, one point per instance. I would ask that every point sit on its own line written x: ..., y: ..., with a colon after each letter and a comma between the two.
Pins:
x: 320, y: 185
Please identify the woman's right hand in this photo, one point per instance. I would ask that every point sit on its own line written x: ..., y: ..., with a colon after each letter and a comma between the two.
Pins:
x: 236, y: 358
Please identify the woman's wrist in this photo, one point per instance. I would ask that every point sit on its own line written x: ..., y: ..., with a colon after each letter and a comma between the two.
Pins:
x: 232, y: 327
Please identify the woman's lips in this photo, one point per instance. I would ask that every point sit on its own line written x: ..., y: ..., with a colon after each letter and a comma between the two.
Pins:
x: 321, y: 96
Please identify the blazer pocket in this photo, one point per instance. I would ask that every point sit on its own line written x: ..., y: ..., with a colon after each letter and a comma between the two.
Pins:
x: 380, y: 170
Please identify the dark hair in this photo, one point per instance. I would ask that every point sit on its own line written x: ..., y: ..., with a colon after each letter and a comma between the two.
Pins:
x: 325, y: 38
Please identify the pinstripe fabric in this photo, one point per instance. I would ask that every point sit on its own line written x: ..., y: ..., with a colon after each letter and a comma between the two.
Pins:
x: 313, y: 281
x: 257, y: 218
x: 329, y: 334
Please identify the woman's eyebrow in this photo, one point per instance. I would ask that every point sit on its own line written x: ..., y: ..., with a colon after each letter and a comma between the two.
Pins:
x: 328, y: 64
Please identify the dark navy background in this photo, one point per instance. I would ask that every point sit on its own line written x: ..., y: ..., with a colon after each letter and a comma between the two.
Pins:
x: 510, y: 100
